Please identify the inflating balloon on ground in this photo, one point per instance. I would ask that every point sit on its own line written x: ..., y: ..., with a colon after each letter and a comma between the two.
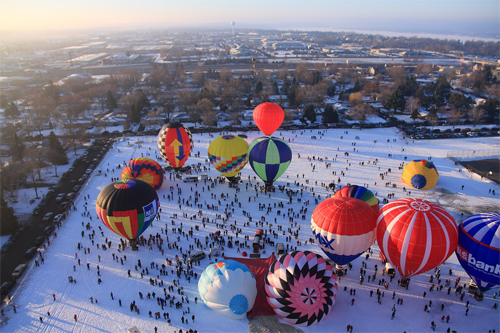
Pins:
x: 144, y: 169
x: 420, y: 174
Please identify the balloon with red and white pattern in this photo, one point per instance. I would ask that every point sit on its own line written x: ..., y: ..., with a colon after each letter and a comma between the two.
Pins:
x: 416, y: 235
x: 301, y: 288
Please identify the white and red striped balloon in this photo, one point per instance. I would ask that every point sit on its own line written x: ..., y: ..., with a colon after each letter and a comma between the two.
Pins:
x: 416, y: 235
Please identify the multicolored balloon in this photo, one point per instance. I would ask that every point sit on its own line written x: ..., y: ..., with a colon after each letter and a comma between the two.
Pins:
x: 301, y: 288
x: 228, y: 154
x: 344, y: 228
x: 229, y: 288
x: 269, y: 157
x: 478, y: 249
x: 144, y: 169
x: 420, y: 174
x: 175, y: 143
x: 127, y: 207
x: 415, y: 235
x: 268, y: 117
x: 361, y: 193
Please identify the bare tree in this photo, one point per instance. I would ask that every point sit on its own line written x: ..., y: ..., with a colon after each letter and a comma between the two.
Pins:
x: 356, y: 98
x: 476, y: 114
x: 12, y: 175
x: 413, y: 104
x: 455, y: 116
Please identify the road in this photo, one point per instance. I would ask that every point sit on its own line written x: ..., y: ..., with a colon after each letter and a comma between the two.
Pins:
x: 34, y: 227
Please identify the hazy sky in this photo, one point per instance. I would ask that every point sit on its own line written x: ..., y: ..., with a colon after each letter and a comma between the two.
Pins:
x: 434, y: 16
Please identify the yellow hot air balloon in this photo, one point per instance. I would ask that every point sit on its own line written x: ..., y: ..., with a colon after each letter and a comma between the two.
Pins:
x: 420, y: 174
x: 228, y: 154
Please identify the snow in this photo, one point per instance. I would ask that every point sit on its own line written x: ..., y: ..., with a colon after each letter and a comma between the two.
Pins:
x: 33, y: 296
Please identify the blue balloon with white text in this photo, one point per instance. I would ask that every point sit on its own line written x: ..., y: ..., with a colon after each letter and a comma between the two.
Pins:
x: 478, y: 249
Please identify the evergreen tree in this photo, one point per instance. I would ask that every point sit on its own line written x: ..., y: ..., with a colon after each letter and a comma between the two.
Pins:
x: 9, y: 220
x: 56, y: 154
x: 111, y: 103
x: 276, y: 90
x: 491, y: 108
x: 331, y: 90
x: 415, y: 114
x: 330, y: 115
x: 292, y: 94
x: 309, y: 113
x: 17, y: 148
x: 396, y: 101
x: 11, y: 111
x: 258, y: 87
x: 316, y: 77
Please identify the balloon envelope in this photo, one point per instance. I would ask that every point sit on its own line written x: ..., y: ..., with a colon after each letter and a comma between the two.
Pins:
x: 228, y: 154
x: 269, y: 157
x: 478, y: 249
x: 415, y: 235
x: 127, y: 207
x: 301, y: 288
x: 344, y: 228
x: 268, y: 117
x: 175, y: 144
x: 420, y: 174
x: 144, y: 169
x: 361, y: 193
x: 229, y: 288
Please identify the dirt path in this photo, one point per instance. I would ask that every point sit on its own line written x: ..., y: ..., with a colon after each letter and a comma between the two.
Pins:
x: 270, y: 324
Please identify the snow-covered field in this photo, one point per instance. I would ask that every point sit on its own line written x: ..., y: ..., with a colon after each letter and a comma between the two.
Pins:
x: 33, y: 297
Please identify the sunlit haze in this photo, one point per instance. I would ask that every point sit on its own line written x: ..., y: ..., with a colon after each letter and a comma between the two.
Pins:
x: 461, y: 17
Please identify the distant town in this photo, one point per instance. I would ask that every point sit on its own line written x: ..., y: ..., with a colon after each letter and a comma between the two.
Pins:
x: 66, y: 92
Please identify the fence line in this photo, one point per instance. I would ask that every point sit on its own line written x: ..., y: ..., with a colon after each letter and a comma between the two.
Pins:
x: 468, y: 154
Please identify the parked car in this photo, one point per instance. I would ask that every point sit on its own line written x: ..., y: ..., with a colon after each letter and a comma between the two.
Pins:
x: 48, y: 229
x: 6, y: 287
x: 30, y: 253
x: 6, y: 246
x: 197, y: 256
x: 39, y: 240
x: 47, y: 217
x: 63, y: 206
x: 58, y: 218
x: 70, y: 195
x: 60, y: 197
x: 18, y: 271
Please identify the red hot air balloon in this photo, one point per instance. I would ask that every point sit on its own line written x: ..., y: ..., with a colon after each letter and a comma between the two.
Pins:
x: 416, y: 235
x: 268, y: 117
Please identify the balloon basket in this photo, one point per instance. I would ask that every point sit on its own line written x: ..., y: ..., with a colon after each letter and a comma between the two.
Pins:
x: 340, y: 270
x: 404, y: 283
x: 268, y: 187
x: 133, y: 244
x: 478, y: 296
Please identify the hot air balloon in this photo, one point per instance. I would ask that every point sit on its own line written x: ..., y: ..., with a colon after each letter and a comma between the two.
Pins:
x: 420, y: 174
x: 301, y: 288
x: 144, y: 169
x: 478, y: 249
x: 228, y: 154
x: 361, y: 193
x: 175, y: 143
x: 127, y: 207
x: 269, y: 157
x: 268, y: 117
x: 229, y: 288
x: 415, y: 235
x: 344, y: 228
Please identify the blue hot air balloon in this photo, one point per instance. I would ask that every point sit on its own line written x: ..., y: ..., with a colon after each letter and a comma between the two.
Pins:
x: 229, y: 288
x: 478, y: 249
